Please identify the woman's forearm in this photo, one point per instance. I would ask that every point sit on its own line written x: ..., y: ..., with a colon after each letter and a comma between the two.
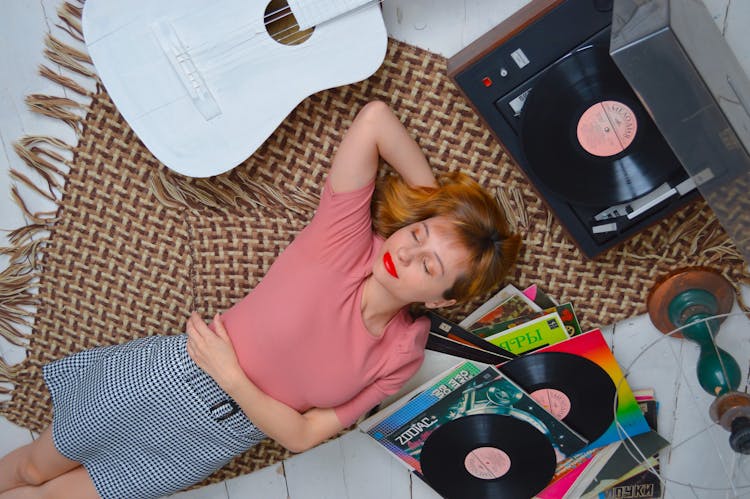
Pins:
x: 376, y: 133
x: 397, y: 147
x: 212, y: 350
x: 293, y: 430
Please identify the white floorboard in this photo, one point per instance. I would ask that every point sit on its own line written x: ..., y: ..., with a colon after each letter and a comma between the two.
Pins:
x: 213, y: 491
x: 354, y: 466
x: 269, y: 483
x: 13, y: 436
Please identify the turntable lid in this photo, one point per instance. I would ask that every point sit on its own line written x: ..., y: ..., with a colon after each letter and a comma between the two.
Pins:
x: 690, y: 80
x: 691, y: 24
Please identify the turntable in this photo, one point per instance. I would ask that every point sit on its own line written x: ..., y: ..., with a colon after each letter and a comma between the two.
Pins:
x: 544, y: 83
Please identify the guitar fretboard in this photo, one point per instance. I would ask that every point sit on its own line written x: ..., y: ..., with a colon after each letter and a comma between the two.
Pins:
x: 310, y: 13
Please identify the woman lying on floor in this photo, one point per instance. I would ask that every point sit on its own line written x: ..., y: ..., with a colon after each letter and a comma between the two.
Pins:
x: 155, y: 415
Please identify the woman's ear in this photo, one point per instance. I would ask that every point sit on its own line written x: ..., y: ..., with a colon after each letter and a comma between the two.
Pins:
x: 440, y: 303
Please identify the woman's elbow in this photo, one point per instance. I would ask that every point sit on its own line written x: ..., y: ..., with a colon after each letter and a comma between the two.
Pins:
x: 319, y: 426
x: 374, y: 111
x: 299, y: 444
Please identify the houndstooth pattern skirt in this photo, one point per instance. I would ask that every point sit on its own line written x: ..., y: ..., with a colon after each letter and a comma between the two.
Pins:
x: 143, y: 418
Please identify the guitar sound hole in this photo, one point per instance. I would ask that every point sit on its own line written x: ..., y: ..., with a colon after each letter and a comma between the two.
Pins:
x: 282, y: 25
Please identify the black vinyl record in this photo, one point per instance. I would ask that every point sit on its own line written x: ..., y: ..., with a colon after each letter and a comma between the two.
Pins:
x: 586, y: 135
x: 583, y: 392
x: 487, y: 456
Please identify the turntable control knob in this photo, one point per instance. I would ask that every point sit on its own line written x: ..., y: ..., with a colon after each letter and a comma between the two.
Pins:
x: 503, y: 72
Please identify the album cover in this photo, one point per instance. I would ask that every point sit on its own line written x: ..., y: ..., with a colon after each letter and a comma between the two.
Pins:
x: 584, y: 370
x: 440, y: 326
x: 487, y: 313
x: 532, y: 335
x: 401, y: 411
x: 622, y: 471
x: 569, y: 471
x: 446, y: 345
x: 488, y: 393
x: 565, y: 311
x: 535, y: 294
x: 623, y: 476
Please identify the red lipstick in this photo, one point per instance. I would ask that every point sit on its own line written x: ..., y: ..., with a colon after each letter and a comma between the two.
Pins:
x: 388, y: 264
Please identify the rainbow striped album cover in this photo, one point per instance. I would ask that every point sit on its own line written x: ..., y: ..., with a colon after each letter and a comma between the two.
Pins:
x: 628, y: 418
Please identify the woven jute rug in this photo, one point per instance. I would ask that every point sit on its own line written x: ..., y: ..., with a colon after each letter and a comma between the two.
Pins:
x: 134, y: 247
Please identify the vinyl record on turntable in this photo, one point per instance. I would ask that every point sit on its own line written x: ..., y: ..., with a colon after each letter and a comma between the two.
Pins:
x: 586, y: 135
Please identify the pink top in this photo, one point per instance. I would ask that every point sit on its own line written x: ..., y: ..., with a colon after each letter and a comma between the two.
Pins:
x: 299, y: 334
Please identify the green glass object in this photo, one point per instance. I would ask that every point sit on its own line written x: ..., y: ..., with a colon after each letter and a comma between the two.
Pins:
x: 692, y: 311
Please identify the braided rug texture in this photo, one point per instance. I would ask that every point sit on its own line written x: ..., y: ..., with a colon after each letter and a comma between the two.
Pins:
x: 136, y: 247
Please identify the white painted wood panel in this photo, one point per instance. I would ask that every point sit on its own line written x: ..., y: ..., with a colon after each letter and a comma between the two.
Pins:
x: 13, y: 436
x: 213, y: 491
x: 268, y: 483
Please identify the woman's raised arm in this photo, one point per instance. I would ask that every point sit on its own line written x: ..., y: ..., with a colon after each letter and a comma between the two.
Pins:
x: 377, y: 133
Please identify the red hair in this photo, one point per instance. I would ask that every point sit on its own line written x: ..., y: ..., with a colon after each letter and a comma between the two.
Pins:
x: 480, y: 226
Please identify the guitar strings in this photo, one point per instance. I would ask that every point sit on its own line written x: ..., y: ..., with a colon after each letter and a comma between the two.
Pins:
x: 239, y: 46
x: 288, y: 11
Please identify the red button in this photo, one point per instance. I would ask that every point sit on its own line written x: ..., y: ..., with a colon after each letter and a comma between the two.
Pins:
x: 487, y: 81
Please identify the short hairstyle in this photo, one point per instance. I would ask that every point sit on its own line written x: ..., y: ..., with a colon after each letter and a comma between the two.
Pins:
x: 480, y: 225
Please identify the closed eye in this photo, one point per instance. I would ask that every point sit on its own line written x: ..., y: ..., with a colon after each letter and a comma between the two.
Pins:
x: 426, y: 268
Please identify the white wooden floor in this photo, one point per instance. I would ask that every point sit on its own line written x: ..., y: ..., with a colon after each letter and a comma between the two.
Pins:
x: 354, y: 466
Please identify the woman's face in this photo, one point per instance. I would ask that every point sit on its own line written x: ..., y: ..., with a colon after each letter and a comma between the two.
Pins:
x: 418, y: 263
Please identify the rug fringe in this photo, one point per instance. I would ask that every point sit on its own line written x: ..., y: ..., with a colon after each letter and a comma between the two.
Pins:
x: 7, y: 374
x: 64, y: 81
x: 17, y: 283
x: 69, y: 57
x: 227, y: 191
x: 71, y: 16
x: 510, y: 214
x: 57, y: 107
x: 40, y: 155
x: 46, y: 159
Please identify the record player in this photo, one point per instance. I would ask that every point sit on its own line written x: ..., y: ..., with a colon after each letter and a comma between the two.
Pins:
x: 544, y: 83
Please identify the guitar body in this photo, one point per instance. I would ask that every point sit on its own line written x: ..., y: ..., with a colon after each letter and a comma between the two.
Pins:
x: 204, y: 84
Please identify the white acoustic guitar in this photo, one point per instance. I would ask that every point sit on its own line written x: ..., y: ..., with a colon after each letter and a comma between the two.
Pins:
x: 204, y: 83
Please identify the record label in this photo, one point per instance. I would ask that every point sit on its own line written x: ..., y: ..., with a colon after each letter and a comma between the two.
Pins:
x: 487, y: 463
x: 554, y: 401
x: 607, y: 128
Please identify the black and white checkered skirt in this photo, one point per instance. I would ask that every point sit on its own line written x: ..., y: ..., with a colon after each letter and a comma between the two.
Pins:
x: 143, y: 418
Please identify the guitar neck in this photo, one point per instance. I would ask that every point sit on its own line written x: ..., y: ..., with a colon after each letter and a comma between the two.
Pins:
x: 310, y: 13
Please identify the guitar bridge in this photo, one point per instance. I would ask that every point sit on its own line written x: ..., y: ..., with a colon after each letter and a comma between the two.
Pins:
x: 182, y: 63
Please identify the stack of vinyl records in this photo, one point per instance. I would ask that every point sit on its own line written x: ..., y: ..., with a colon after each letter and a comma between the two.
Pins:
x: 539, y: 408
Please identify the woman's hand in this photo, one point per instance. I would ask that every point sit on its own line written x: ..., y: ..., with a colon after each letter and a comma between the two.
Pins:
x: 213, y: 352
